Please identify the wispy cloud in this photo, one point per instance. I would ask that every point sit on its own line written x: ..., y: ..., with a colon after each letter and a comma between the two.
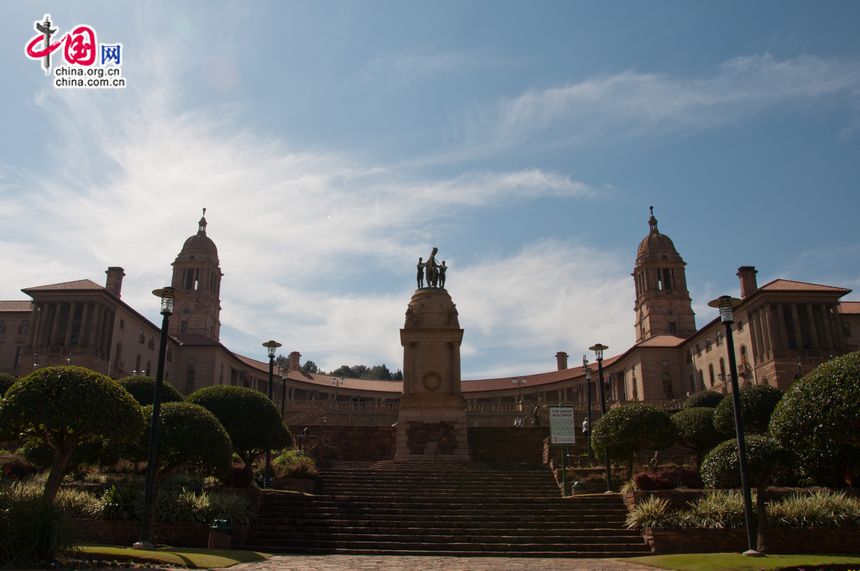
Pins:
x: 634, y: 104
x: 408, y: 66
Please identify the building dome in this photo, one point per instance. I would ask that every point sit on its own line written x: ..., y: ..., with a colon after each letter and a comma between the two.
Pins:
x: 655, y: 244
x: 199, y: 246
x: 431, y: 308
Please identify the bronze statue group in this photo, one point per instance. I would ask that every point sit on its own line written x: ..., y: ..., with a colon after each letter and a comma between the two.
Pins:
x: 431, y: 271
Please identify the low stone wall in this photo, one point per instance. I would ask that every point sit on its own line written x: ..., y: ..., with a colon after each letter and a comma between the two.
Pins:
x: 507, y: 445
x: 118, y: 532
x: 778, y: 540
x: 339, y: 443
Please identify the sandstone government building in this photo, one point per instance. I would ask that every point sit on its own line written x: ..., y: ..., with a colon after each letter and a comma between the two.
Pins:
x: 782, y: 329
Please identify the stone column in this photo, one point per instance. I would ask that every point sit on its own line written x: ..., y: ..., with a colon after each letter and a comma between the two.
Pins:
x: 34, y: 326
x: 780, y: 323
x: 813, y: 327
x: 84, y: 331
x: 767, y: 326
x: 55, y: 326
x: 798, y: 332
x: 825, y: 325
x: 67, y: 337
x: 432, y: 419
x: 754, y: 340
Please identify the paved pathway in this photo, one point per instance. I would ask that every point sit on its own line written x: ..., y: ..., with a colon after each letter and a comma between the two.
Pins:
x: 407, y: 563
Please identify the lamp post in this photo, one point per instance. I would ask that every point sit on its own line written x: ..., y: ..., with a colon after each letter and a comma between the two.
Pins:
x: 168, y: 297
x: 336, y: 382
x: 726, y: 305
x: 519, y: 382
x: 588, y: 406
x: 283, y: 390
x: 598, y: 349
x: 271, y: 347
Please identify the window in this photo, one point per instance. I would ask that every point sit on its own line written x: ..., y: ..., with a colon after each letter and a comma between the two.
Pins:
x: 664, y: 279
x: 711, y: 374
x: 689, y: 356
x: 668, y: 393
x: 169, y: 355
x: 698, y: 350
x: 740, y: 325
x: 708, y: 345
x: 718, y: 337
x: 673, y: 328
x: 183, y: 326
x: 2, y: 327
x: 24, y: 327
x: 722, y: 370
x: 744, y: 360
x: 151, y: 343
x: 137, y: 366
x: 122, y: 323
x: 141, y: 337
x: 846, y: 329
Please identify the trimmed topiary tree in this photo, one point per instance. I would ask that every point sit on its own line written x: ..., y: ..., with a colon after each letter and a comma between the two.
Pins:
x: 708, y: 399
x: 249, y: 418
x: 819, y: 419
x: 190, y: 438
x: 629, y: 429
x: 695, y: 429
x: 757, y: 404
x: 64, y: 407
x: 142, y: 388
x: 766, y: 461
x: 6, y: 381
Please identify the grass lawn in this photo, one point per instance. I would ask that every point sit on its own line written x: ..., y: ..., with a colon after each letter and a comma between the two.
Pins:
x: 195, y: 558
x: 738, y: 562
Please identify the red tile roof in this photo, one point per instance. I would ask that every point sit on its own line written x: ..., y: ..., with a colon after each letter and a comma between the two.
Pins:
x: 795, y: 286
x: 16, y: 306
x: 849, y: 307
x: 77, y: 285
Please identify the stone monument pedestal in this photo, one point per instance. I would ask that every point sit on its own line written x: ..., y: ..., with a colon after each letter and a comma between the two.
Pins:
x: 432, y: 421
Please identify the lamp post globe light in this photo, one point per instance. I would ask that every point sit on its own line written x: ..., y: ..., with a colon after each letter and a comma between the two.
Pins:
x: 726, y: 304
x: 168, y: 297
x: 271, y: 347
x: 598, y: 349
x: 588, y: 406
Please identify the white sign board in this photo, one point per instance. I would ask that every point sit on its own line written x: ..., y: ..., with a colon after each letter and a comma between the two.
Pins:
x: 562, y: 429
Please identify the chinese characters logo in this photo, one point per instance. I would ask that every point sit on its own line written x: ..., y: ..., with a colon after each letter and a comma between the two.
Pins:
x: 81, y: 52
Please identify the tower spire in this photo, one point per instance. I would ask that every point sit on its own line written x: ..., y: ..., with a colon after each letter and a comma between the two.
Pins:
x: 652, y: 222
x: 202, y: 224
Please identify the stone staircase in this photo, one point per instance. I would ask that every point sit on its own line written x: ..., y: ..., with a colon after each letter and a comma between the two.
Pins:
x: 437, y: 508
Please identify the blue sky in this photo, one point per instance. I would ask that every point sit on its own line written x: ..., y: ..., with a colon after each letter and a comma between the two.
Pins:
x: 335, y: 142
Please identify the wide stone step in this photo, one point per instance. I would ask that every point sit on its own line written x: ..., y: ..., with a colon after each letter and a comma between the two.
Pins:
x: 453, y: 547
x: 451, y: 521
x: 462, y: 553
x: 429, y: 536
x: 479, y: 514
x: 548, y: 531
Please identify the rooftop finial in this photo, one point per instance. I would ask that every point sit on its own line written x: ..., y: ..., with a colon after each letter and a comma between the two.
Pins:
x: 202, y: 228
x: 652, y: 222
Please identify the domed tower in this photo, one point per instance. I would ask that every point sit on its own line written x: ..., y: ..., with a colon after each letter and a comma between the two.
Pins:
x: 663, y: 305
x: 197, y: 275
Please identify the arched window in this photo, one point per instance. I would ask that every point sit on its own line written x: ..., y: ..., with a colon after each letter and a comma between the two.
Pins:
x: 744, y: 360
x: 711, y: 374
x: 722, y: 370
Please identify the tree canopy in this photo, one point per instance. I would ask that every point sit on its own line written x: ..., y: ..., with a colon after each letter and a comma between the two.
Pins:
x: 708, y: 399
x: 757, y: 404
x: 248, y: 416
x: 629, y: 429
x: 63, y: 407
x: 695, y: 429
x: 819, y: 419
x: 142, y: 388
x: 6, y: 382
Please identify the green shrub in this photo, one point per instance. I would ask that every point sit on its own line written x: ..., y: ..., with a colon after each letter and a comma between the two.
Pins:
x: 721, y: 509
x: 122, y: 502
x: 766, y: 459
x: 252, y: 420
x: 183, y: 506
x: 651, y: 512
x: 629, y: 429
x: 142, y: 388
x: 294, y: 464
x: 818, y: 509
x: 64, y: 407
x: 819, y: 419
x: 235, y: 508
x: 757, y: 404
x: 33, y: 531
x: 695, y: 429
x: 709, y: 399
x: 79, y: 503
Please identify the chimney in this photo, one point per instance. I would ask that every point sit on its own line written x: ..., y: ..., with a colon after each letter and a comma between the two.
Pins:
x: 746, y: 274
x: 295, y: 361
x: 114, y: 280
x: 561, y: 358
